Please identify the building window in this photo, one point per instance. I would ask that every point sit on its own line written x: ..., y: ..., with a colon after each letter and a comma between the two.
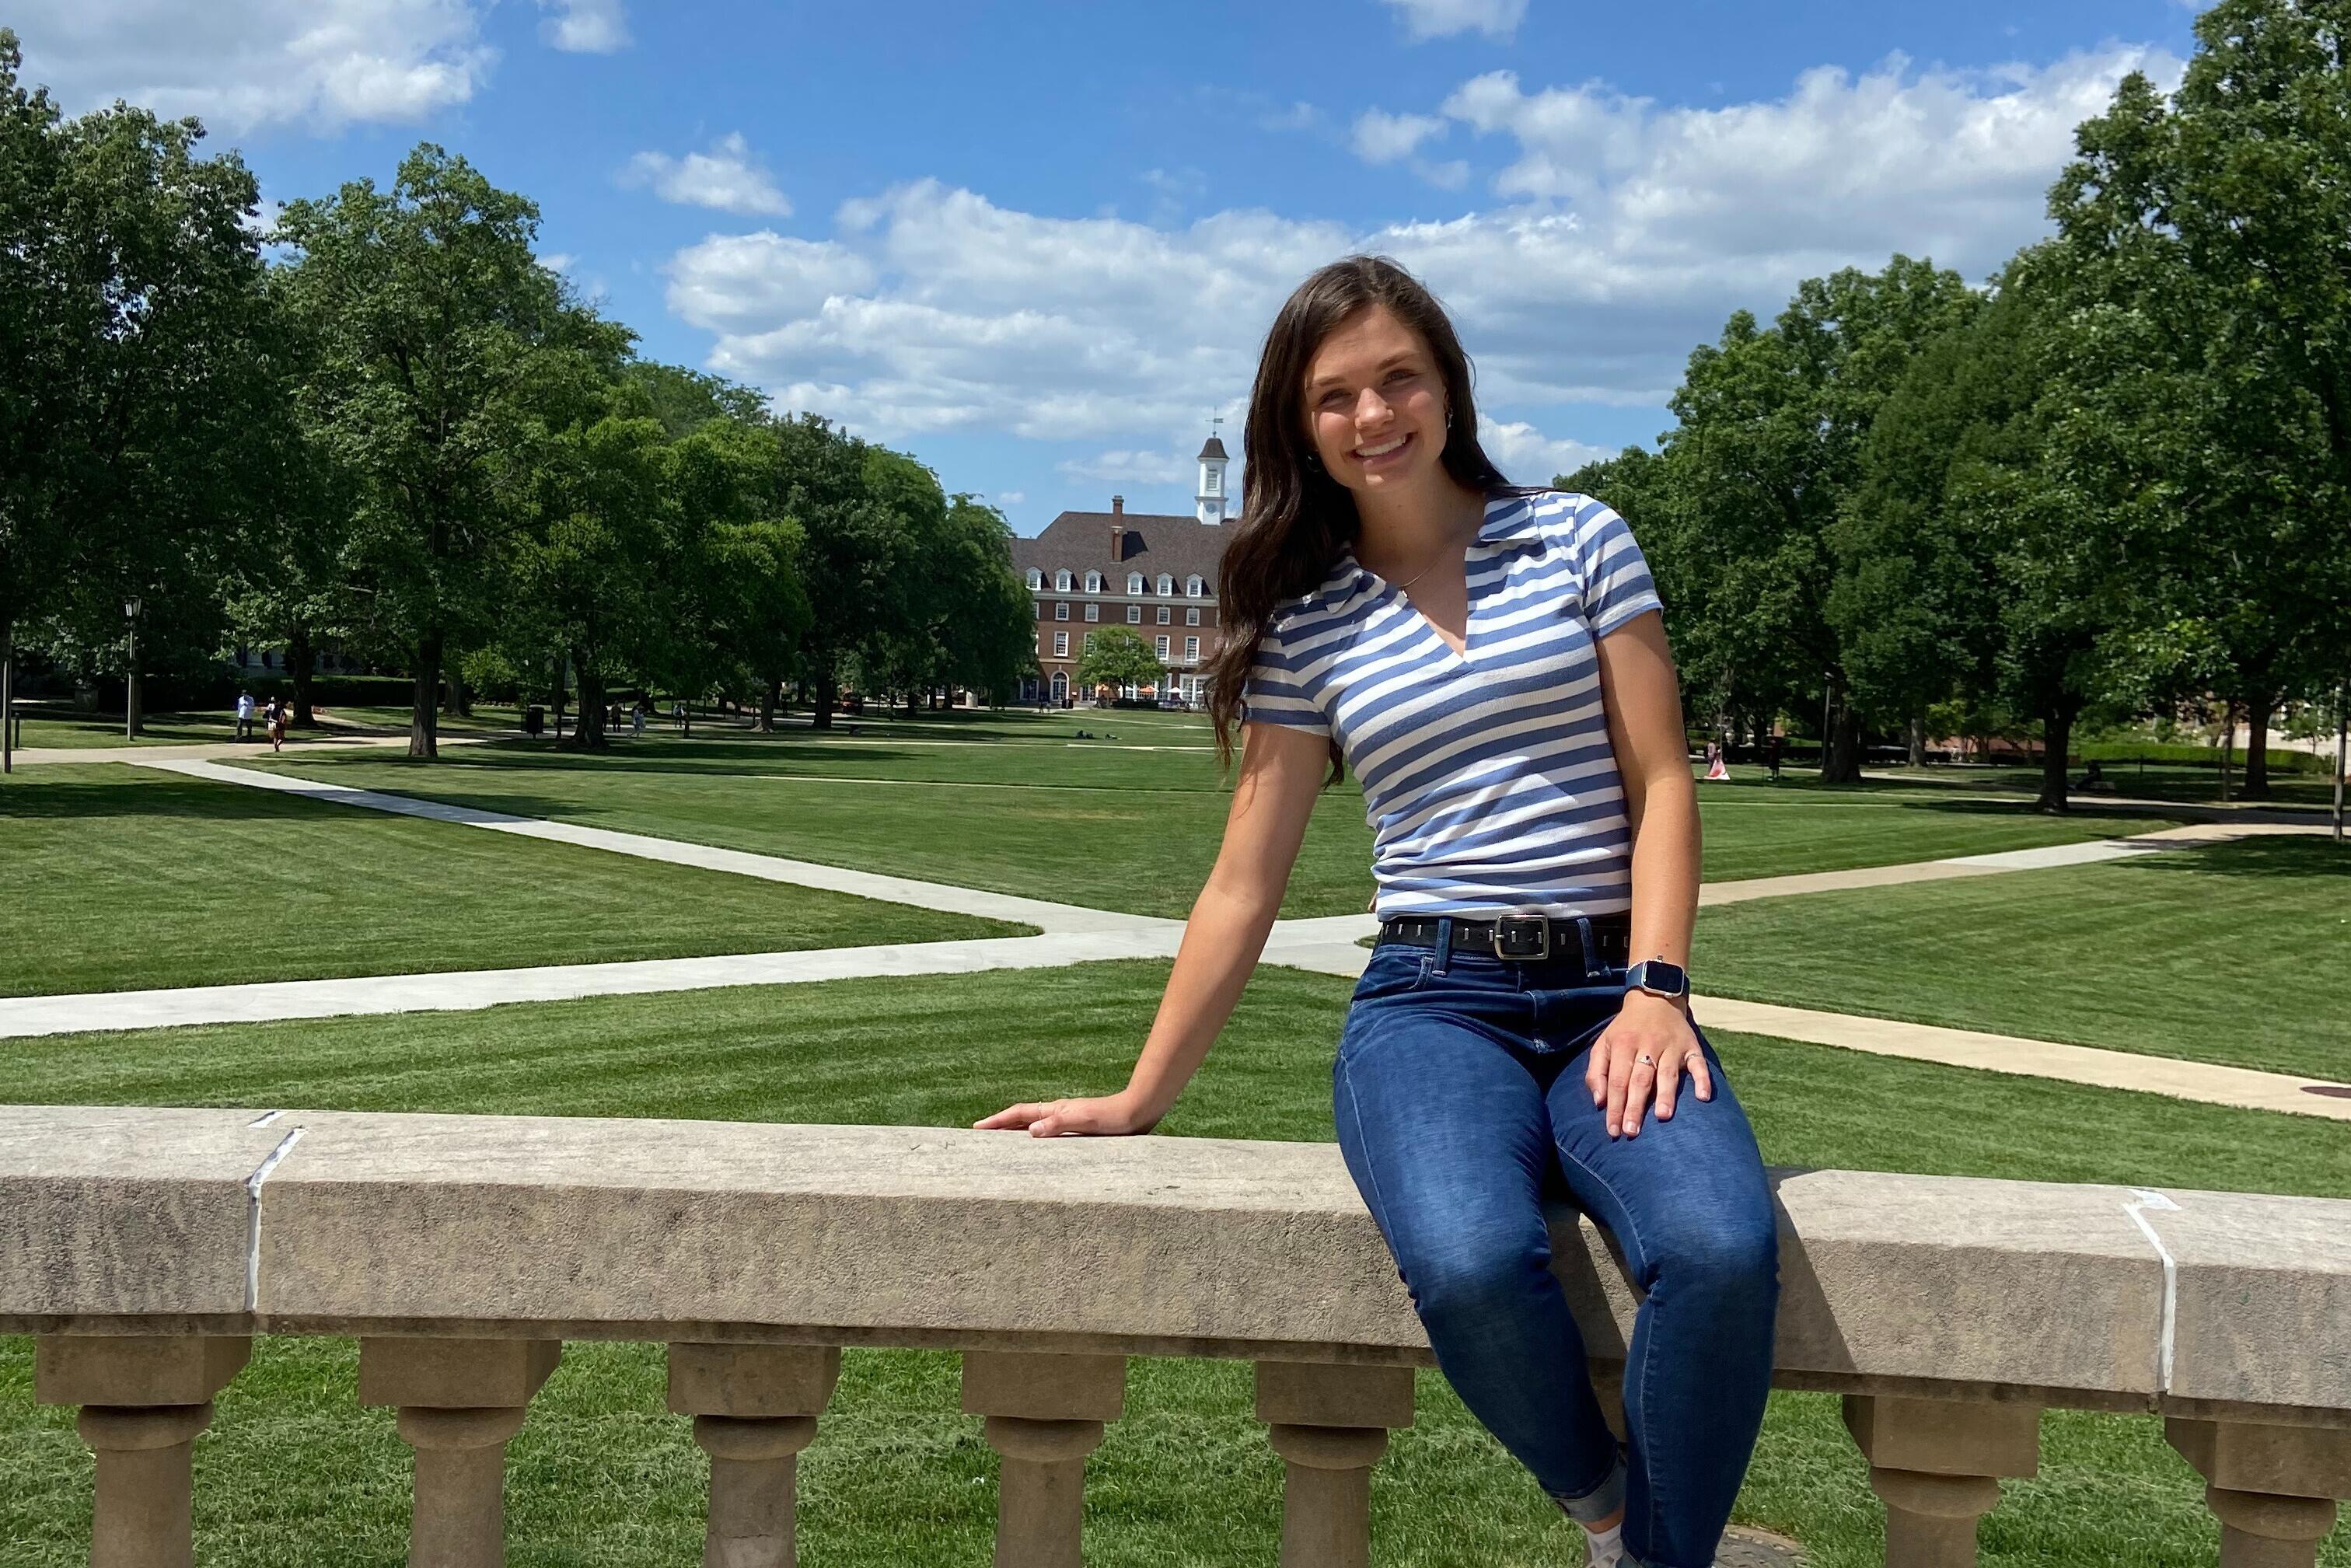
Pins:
x: 1090, y: 639
x: 1166, y: 585
x: 1062, y: 611
x: 1192, y: 588
x: 1191, y: 617
x: 1162, y: 650
x: 1134, y: 582
x: 1093, y: 611
x: 1060, y: 582
x: 1094, y: 582
x: 1162, y: 615
x: 1061, y: 645
x: 1036, y: 579
x: 1134, y: 614
x: 1191, y: 650
x: 1214, y: 479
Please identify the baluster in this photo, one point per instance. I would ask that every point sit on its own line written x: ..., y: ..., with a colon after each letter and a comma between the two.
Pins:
x: 2274, y: 1488
x: 755, y: 1408
x: 1937, y: 1464
x: 144, y: 1398
x: 1045, y: 1413
x: 459, y: 1401
x: 1330, y: 1424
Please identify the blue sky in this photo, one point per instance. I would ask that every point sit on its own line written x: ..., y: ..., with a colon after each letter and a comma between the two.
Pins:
x: 1037, y: 245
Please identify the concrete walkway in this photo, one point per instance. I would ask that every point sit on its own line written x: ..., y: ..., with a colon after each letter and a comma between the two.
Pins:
x: 1950, y: 1047
x: 1045, y: 917
x: 160, y: 752
x: 1326, y: 944
x: 464, y: 990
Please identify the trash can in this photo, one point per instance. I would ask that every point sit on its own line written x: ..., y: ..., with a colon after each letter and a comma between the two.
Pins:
x: 534, y: 720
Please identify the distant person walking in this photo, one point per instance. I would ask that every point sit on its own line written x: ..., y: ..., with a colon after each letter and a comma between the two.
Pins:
x: 1716, y: 767
x: 273, y: 721
x: 1522, y: 1030
x: 245, y: 715
x: 637, y: 719
x: 1771, y: 754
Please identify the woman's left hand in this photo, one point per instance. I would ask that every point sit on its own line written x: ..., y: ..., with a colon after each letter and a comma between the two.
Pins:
x: 1639, y: 1060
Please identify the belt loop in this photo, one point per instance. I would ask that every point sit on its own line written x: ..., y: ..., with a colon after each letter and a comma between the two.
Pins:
x: 1444, y: 944
x: 1590, y: 945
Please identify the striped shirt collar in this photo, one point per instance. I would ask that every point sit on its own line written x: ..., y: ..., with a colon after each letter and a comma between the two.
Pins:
x: 1511, y: 524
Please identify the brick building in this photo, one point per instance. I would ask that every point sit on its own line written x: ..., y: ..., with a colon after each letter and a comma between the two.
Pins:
x: 1153, y: 573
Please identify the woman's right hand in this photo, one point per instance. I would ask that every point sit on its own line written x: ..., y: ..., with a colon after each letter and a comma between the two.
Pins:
x: 1108, y: 1117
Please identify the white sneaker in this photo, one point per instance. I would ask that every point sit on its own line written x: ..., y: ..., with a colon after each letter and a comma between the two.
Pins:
x: 1604, y: 1549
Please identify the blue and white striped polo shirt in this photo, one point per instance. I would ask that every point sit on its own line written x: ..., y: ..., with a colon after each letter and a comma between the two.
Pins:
x: 1487, y: 775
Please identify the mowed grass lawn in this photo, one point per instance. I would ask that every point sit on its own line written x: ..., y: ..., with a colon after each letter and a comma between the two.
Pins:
x: 1104, y: 823
x: 2237, y: 953
x: 122, y: 878
x: 294, y: 1472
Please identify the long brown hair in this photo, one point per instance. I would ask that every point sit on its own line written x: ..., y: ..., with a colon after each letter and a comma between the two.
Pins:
x: 1296, y: 518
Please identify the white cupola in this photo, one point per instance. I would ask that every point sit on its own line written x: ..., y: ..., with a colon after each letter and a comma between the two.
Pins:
x: 1213, y: 497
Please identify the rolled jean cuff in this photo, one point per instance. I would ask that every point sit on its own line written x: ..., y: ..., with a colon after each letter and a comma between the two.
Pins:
x: 1600, y: 1502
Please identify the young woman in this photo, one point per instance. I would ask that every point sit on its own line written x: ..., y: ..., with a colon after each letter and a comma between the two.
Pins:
x: 1492, y: 664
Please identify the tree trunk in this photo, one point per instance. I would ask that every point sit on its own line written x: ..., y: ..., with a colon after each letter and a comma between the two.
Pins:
x: 561, y: 686
x: 769, y: 692
x: 423, y: 734
x: 2256, y: 783
x: 298, y: 656
x: 1841, y: 746
x: 7, y: 697
x: 1918, y: 740
x: 826, y: 690
x: 588, y: 734
x: 2056, y: 742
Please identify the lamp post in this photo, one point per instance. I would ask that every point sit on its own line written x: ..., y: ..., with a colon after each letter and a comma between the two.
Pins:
x: 130, y: 681
x: 2342, y: 753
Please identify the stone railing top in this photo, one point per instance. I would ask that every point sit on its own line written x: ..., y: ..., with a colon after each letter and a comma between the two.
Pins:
x: 121, y: 1219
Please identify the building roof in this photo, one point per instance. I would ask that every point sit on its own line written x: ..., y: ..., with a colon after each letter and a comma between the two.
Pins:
x: 1215, y: 448
x: 1179, y: 545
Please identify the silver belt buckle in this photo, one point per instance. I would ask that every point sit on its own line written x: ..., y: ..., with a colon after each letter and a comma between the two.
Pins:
x: 1506, y: 929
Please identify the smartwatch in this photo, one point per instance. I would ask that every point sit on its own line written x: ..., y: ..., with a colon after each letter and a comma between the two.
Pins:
x: 1658, y: 978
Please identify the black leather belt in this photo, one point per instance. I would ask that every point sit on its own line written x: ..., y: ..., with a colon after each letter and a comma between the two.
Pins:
x: 1529, y: 939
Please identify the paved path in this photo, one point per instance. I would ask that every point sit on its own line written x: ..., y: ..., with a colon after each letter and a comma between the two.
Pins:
x: 1045, y: 917
x: 1951, y: 1047
x: 160, y: 752
x: 464, y: 990
x: 1328, y: 945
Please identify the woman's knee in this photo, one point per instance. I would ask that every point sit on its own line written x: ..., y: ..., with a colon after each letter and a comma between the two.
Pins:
x: 1472, y: 1281
x: 1731, y: 1251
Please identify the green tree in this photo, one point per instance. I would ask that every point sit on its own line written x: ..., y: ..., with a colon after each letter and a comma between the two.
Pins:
x: 2208, y: 231
x: 443, y: 344
x: 852, y: 546
x: 130, y: 380
x: 1766, y: 454
x: 1116, y: 657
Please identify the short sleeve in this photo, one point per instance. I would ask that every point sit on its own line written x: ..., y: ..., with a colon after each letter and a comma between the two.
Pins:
x: 1279, y: 690
x: 1617, y: 583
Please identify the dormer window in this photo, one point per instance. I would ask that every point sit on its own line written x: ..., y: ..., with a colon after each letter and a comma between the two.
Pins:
x: 1036, y: 579
x: 1094, y: 582
x: 1134, y: 582
x: 1191, y: 587
x: 1166, y: 585
x: 1060, y: 582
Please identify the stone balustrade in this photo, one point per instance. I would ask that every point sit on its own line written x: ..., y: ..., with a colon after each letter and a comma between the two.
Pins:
x: 145, y: 1247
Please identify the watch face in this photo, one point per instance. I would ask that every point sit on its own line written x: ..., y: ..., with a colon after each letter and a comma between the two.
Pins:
x: 1657, y: 975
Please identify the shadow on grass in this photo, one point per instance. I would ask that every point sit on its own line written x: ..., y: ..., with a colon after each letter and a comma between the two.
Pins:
x: 2280, y: 856
x: 151, y: 795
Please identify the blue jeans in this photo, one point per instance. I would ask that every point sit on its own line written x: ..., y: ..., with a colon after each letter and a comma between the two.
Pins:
x: 1460, y: 1098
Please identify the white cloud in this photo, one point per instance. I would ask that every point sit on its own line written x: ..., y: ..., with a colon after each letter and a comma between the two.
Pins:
x: 1383, y: 137
x: 1011, y: 497
x: 557, y: 260
x: 1530, y: 457
x: 1125, y: 467
x: 585, y: 27
x: 1622, y: 234
x: 1443, y: 18
x: 728, y: 177
x: 258, y: 62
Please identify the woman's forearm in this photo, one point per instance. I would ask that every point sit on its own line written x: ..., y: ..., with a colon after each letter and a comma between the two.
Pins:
x: 1663, y: 812
x: 1222, y: 939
